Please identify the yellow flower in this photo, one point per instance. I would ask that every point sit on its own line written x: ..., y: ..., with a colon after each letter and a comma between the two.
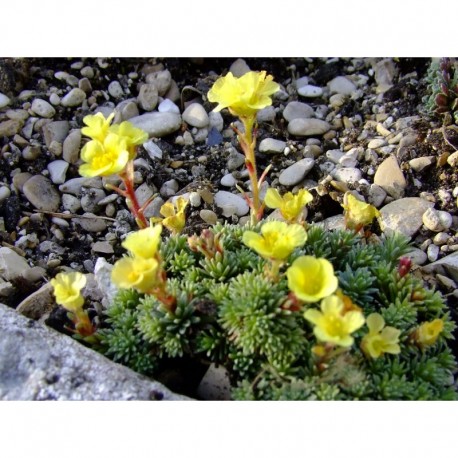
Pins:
x: 311, y: 279
x: 243, y: 96
x: 380, y: 339
x: 144, y: 243
x: 97, y: 126
x: 67, y: 290
x: 174, y: 215
x: 277, y: 239
x: 429, y: 331
x: 137, y: 273
x: 104, y: 159
x: 331, y: 325
x: 357, y: 213
x: 291, y: 205
x: 132, y: 135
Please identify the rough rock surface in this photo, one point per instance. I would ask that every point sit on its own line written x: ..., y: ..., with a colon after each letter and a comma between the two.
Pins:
x: 38, y: 363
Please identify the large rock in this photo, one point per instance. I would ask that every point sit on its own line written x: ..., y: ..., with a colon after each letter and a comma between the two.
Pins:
x: 38, y: 363
x: 390, y: 177
x: 404, y: 215
x: 446, y: 266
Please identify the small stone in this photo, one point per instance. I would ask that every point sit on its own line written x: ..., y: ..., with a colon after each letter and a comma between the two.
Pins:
x: 167, y: 106
x: 239, y: 67
x: 173, y: 93
x: 308, y: 127
x: 441, y: 238
x: 74, y: 98
x: 10, y: 127
x: 4, y: 100
x: 196, y: 116
x: 436, y: 220
x: 40, y: 192
x: 91, y: 223
x: 235, y: 160
x: 103, y: 247
x: 432, y: 252
x: 390, y: 177
x: 85, y: 85
x: 153, y: 149
x: 228, y: 180
x: 199, y: 136
x: 377, y: 195
x: 404, y: 215
x: 128, y: 110
x: 157, y: 124
x: 20, y: 179
x: 169, y: 188
x: 266, y: 114
x: 452, y: 160
x: 115, y: 90
x: 70, y: 203
x: 57, y: 171
x: 54, y: 99
x: 30, y: 153
x: 337, y: 100
x: 310, y: 91
x: 12, y: 266
x: 376, y: 143
x: 148, y: 97
x: 296, y: 172
x: 194, y: 199
x: 74, y: 185
x: 296, y: 110
x: 208, y: 216
x: 270, y: 145
x: 55, y: 131
x: 143, y: 193
x: 40, y: 303
x: 215, y: 120
x: 347, y: 174
x: 417, y: 256
x: 42, y: 108
x: 420, y: 163
x: 341, y: 85
x: 335, y: 155
x: 302, y: 81
x: 91, y: 198
x: 231, y: 204
x: 4, y: 193
x: 162, y: 80
x: 71, y: 147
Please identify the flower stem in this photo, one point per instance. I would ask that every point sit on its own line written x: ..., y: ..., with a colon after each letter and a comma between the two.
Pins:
x: 127, y: 177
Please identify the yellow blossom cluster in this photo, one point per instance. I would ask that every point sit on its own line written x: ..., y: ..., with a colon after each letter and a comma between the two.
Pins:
x: 139, y: 270
x: 357, y: 213
x: 244, y: 96
x: 174, y: 215
x: 110, y: 148
x: 291, y: 205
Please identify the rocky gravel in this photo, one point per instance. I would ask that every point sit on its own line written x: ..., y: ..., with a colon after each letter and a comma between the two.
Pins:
x: 336, y: 125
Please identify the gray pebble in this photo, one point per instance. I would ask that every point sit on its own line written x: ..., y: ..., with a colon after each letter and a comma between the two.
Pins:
x: 57, y: 171
x: 54, y: 99
x: 162, y: 80
x: 417, y: 256
x: 85, y: 85
x: 296, y: 172
x: 43, y: 108
x: 91, y: 223
x: 148, y: 97
x: 4, y: 100
x: 30, y: 153
x: 341, y: 85
x: 157, y: 124
x: 194, y: 199
x: 310, y: 91
x: 87, y: 72
x: 55, y: 131
x: 347, y: 174
x: 231, y: 204
x: 75, y: 185
x: 91, y: 198
x: 115, y: 90
x: 235, y: 160
x: 195, y: 115
x: 19, y: 180
x: 10, y: 127
x: 266, y: 114
x: 168, y: 106
x: 239, y: 67
x: 169, y: 188
x: 271, y: 145
x: 70, y: 203
x: 215, y: 120
x: 308, y: 127
x: 40, y: 192
x: 296, y: 110
x: 432, y: 252
x: 4, y: 193
x: 71, y: 146
x: 74, y: 98
x: 208, y: 216
x: 436, y: 220
x: 103, y: 247
x: 228, y: 180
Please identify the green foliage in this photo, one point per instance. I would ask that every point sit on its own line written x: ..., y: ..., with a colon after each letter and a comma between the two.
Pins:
x: 229, y: 311
x: 442, y: 97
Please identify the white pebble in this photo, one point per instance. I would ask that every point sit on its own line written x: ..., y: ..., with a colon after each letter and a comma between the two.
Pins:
x: 57, y: 171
